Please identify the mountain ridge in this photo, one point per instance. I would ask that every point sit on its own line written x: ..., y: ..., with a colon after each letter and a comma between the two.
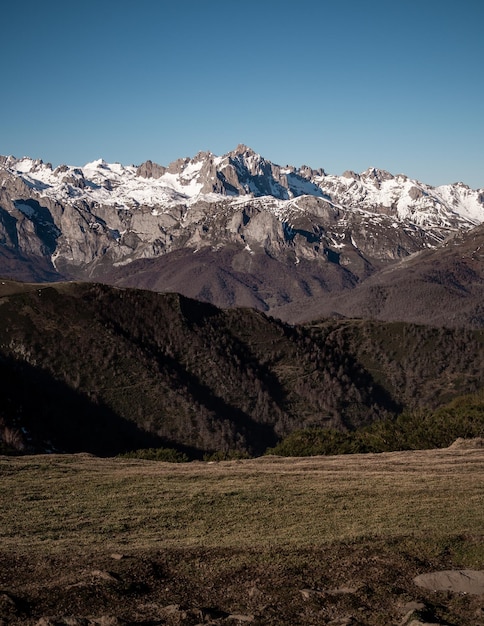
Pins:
x: 230, y: 230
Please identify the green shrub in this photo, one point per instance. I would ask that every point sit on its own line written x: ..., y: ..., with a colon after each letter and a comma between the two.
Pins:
x: 169, y: 455
x: 425, y: 429
x: 228, y: 455
x: 421, y: 429
x: 315, y: 441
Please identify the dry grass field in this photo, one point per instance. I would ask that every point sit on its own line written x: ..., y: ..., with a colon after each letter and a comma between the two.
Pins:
x: 321, y: 540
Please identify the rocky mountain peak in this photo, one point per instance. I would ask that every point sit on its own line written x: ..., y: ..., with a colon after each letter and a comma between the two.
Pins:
x: 377, y: 175
x: 148, y: 169
x: 97, y: 164
x: 350, y: 174
x: 243, y: 150
x: 176, y: 167
x: 307, y: 172
x: 202, y: 156
x: 239, y: 211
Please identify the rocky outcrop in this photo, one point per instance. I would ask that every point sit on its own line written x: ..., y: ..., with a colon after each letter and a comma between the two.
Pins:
x: 455, y: 581
x: 148, y: 169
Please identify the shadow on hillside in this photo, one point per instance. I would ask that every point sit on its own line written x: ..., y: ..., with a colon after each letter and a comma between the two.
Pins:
x: 54, y: 417
x: 257, y: 436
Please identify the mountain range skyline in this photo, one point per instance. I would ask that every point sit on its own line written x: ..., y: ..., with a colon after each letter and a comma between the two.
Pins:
x: 238, y: 230
x: 100, y: 161
x: 342, y: 87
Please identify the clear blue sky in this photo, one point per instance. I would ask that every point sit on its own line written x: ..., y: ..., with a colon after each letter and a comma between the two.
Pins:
x: 396, y: 84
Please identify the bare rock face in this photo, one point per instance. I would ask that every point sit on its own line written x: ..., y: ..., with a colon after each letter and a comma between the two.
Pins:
x: 415, y: 193
x: 148, y: 169
x: 178, y: 166
x: 95, y: 222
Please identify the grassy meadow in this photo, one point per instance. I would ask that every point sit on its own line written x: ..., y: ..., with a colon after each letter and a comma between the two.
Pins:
x: 53, y: 502
x: 368, y: 521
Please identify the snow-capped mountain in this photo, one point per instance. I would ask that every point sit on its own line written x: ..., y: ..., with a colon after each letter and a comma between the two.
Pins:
x: 207, y: 226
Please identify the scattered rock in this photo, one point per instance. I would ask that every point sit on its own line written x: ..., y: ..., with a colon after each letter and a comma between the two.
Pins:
x: 177, y: 612
x: 414, y: 611
x: 104, y: 620
x: 309, y: 593
x: 343, y: 621
x: 255, y: 593
x: 207, y: 614
x: 241, y: 618
x: 457, y: 581
x: 117, y: 557
x: 105, y: 575
x: 413, y: 606
x: 171, y: 609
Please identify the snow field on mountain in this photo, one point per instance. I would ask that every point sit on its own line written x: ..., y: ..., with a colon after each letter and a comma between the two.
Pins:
x: 374, y: 192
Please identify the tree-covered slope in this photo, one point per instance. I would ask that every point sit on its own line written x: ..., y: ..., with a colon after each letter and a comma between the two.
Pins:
x: 93, y: 368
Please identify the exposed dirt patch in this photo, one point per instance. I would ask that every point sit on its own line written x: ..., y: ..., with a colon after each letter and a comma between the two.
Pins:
x: 368, y: 583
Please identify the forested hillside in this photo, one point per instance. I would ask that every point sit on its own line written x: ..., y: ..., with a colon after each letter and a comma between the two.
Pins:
x: 85, y: 367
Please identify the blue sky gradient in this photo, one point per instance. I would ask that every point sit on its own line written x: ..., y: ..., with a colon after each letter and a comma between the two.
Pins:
x: 397, y: 85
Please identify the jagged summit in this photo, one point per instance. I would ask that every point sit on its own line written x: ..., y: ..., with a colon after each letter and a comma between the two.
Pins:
x: 239, y: 172
x: 232, y: 228
x: 378, y: 175
x: 242, y: 149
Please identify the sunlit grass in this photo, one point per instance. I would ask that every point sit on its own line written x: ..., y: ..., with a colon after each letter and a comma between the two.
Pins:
x: 51, y: 503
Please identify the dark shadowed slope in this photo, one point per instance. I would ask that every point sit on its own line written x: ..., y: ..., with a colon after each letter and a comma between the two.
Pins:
x: 186, y: 373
